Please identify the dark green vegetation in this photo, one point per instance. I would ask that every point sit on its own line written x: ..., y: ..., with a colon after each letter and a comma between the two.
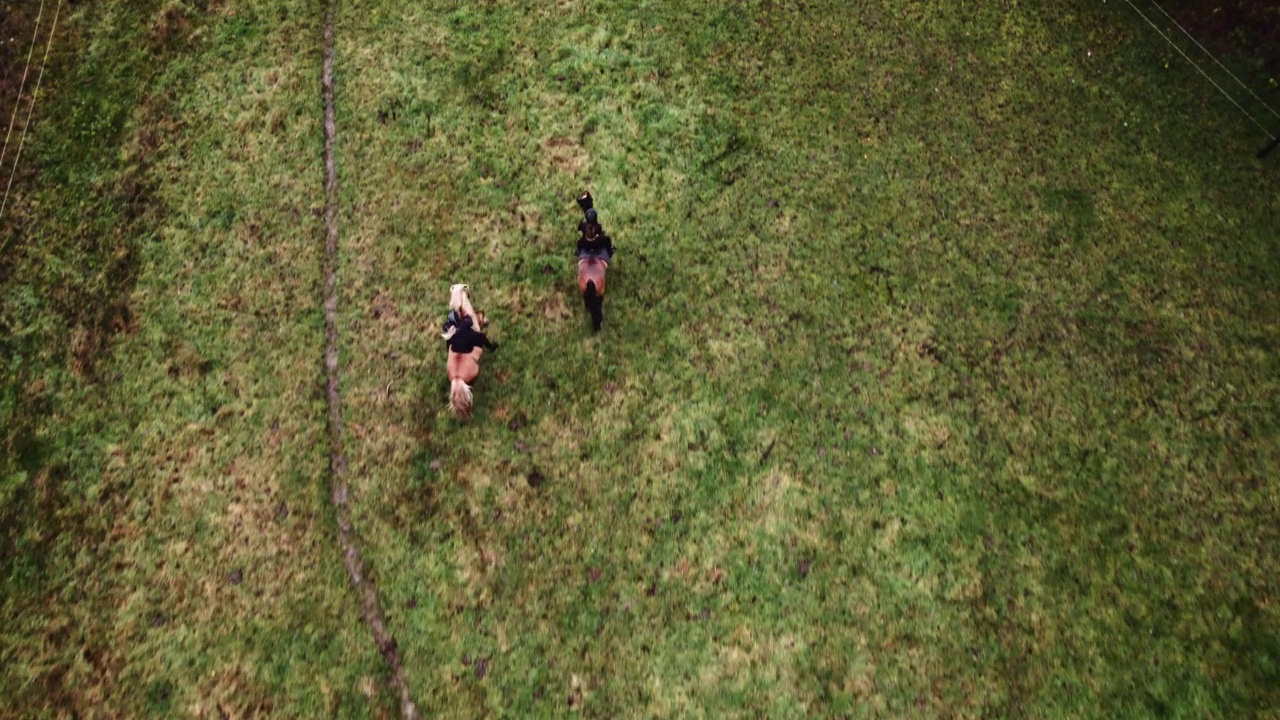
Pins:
x: 938, y: 376
x: 1227, y: 27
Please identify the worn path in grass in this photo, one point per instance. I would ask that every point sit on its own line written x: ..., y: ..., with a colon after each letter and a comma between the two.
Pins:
x: 353, y: 557
x: 994, y: 287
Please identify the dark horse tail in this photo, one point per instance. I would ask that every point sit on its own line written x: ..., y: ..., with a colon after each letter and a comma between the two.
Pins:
x: 595, y: 304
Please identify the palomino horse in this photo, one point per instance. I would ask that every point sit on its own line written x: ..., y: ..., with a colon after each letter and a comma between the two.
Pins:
x: 466, y: 340
x: 591, y: 271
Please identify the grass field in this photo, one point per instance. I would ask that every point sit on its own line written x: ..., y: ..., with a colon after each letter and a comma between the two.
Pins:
x: 939, y: 374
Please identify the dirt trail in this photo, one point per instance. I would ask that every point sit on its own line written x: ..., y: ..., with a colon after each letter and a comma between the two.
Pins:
x: 370, y: 605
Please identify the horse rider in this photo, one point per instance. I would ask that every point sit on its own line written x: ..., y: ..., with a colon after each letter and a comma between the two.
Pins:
x: 464, y: 335
x: 460, y: 330
x: 461, y: 336
x: 593, y: 241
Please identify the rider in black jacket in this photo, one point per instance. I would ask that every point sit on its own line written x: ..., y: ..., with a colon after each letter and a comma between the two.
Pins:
x: 465, y: 337
x: 594, y: 242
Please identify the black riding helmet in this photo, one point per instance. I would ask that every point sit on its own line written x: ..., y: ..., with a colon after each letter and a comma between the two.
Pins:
x: 591, y: 215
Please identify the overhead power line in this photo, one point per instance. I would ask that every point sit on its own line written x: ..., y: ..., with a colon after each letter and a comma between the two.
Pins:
x: 1247, y: 89
x: 17, y: 101
x: 1202, y: 72
x: 34, y: 96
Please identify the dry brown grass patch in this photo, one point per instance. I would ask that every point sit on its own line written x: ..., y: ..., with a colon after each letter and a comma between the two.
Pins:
x: 553, y: 307
x: 382, y: 307
x: 169, y: 26
x: 231, y: 693
x: 567, y: 154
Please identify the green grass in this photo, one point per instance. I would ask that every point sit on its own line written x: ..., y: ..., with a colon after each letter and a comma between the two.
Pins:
x: 168, y: 543
x: 938, y: 375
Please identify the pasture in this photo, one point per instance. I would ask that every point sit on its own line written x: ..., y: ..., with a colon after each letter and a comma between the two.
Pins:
x: 939, y: 374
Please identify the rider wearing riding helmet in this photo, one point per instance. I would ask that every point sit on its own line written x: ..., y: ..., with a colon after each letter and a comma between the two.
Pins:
x: 594, y: 242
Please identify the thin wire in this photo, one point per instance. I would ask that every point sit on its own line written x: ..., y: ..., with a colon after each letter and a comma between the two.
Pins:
x: 34, y: 96
x: 1224, y: 67
x: 17, y: 103
x: 1202, y: 72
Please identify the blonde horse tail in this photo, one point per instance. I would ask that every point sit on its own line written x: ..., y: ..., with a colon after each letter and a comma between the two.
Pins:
x: 460, y: 398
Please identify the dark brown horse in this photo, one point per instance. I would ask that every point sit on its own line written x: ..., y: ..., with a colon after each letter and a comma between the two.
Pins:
x: 595, y: 249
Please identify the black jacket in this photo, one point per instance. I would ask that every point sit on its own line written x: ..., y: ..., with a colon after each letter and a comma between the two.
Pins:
x: 582, y: 228
x: 466, y: 338
x: 602, y: 245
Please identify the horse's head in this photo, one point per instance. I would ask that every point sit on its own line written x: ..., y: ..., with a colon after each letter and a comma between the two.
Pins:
x: 460, y: 302
x: 458, y: 296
